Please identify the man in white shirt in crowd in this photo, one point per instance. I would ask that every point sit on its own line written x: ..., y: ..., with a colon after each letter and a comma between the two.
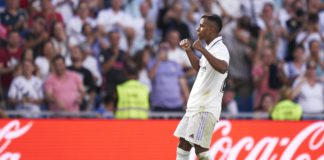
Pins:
x: 26, y: 92
x: 204, y: 103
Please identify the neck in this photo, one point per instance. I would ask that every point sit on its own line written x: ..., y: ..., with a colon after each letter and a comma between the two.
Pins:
x: 60, y: 75
x: 311, y: 79
x: 48, y: 56
x: 173, y: 47
x: 116, y: 10
x: 77, y: 64
x: 211, y: 38
x: 47, y: 11
x: 148, y: 37
x: 299, y: 62
x: 132, y: 77
x: 90, y: 38
x: 28, y: 76
x: 83, y: 17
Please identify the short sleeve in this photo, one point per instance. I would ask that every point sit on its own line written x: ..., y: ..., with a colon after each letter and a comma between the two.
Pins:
x: 40, y: 92
x: 13, y: 90
x: 222, y: 53
x: 180, y: 72
x: 48, y: 85
x: 78, y: 80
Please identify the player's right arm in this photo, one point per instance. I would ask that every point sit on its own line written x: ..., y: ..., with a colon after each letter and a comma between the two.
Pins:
x: 186, y: 45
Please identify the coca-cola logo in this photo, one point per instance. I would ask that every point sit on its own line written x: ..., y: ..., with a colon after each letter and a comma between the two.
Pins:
x: 225, y: 149
x: 8, y: 133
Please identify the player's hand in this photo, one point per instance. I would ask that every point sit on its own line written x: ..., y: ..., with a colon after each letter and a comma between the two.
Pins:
x: 198, y: 45
x: 185, y: 44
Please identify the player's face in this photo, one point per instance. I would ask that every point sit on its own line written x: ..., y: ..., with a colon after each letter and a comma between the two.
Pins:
x: 203, y: 29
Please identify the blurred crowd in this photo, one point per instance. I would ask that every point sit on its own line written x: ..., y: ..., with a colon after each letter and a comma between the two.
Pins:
x: 123, y: 57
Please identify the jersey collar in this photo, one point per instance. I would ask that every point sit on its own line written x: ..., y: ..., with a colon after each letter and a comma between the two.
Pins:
x: 215, y: 41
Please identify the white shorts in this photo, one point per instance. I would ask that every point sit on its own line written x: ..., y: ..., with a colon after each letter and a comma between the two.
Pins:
x: 197, y: 129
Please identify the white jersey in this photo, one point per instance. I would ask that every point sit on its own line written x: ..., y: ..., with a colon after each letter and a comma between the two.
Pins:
x: 22, y: 88
x: 207, y: 92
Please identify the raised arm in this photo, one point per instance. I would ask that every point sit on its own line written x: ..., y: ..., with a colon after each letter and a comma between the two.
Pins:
x: 186, y: 45
x: 219, y: 65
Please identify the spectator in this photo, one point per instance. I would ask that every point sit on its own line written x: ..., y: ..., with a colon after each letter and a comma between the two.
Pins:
x: 149, y: 39
x: 177, y: 54
x: 273, y: 31
x: 26, y: 92
x: 312, y: 32
x: 316, y: 7
x: 64, y: 90
x: 171, y: 18
x: 266, y: 103
x: 309, y: 91
x: 297, y: 67
x: 9, y: 60
x: 113, y: 64
x: 139, y: 22
x: 286, y: 109
x: 193, y: 16
x: 142, y: 59
x: 74, y: 27
x: 44, y: 62
x: 91, y: 64
x: 169, y: 87
x: 132, y: 96
x: 117, y: 19
x: 237, y: 34
x: 286, y: 12
x: 294, y: 27
x: 28, y: 55
x: 316, y: 55
x: 13, y: 18
x: 65, y: 8
x: 261, y: 77
x: 60, y: 40
x: 86, y: 77
x: 106, y: 110
x: 37, y: 35
x: 146, y: 9
x: 49, y: 13
x: 229, y: 104
x: 96, y: 39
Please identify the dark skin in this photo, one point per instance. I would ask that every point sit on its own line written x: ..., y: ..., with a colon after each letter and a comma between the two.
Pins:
x: 207, y: 31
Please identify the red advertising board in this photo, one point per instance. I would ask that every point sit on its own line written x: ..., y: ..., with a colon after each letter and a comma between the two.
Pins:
x: 58, y: 139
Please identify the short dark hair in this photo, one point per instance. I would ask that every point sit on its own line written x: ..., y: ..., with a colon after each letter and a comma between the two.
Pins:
x: 215, y: 19
x: 57, y: 57
x: 300, y: 46
x: 131, y: 68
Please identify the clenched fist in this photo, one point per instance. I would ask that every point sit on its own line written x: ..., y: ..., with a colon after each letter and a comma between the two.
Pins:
x: 198, y: 45
x: 185, y: 44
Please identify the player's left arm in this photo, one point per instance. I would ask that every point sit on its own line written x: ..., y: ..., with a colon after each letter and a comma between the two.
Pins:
x: 218, y: 64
